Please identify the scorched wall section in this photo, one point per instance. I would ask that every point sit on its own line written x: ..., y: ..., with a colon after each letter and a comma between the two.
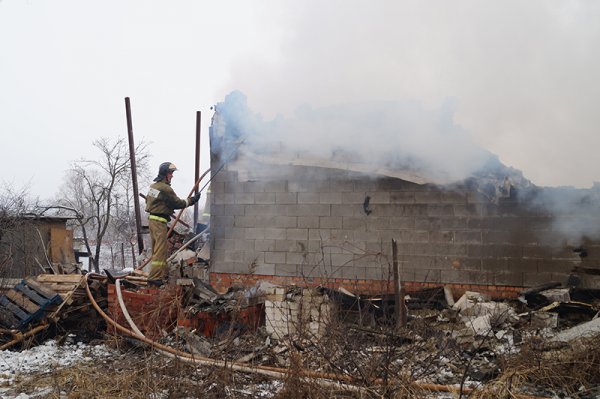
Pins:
x: 316, y: 224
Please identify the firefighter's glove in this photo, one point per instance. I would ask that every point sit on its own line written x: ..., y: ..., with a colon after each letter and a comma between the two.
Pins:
x: 194, y: 199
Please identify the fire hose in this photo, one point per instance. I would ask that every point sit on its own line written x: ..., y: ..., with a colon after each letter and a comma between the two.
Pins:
x: 192, y: 191
x: 323, y: 379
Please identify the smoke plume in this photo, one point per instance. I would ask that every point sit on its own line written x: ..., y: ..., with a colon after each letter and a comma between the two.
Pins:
x: 390, y: 134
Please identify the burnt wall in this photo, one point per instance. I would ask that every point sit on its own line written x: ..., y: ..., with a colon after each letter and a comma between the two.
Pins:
x: 314, y: 222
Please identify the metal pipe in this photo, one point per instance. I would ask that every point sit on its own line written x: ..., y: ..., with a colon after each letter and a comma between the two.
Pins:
x: 136, y: 201
x: 197, y: 167
x: 20, y: 337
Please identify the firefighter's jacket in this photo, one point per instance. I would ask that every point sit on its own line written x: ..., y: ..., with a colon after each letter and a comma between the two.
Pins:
x: 162, y: 200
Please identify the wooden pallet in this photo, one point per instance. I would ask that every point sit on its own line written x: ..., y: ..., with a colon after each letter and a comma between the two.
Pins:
x: 28, y: 302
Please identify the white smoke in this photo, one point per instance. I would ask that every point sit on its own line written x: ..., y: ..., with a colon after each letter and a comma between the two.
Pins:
x: 524, y: 73
x: 391, y: 134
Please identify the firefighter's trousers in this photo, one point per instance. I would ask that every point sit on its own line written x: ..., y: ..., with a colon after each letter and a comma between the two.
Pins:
x: 158, y: 236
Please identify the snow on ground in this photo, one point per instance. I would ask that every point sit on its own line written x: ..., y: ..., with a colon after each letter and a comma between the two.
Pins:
x: 45, y: 358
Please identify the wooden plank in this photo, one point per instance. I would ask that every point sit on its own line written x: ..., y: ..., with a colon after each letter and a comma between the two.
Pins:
x: 17, y: 311
x: 31, y: 294
x: 61, y: 287
x: 39, y: 288
x: 61, y: 246
x: 22, y: 301
x: 60, y: 278
x: 7, y: 318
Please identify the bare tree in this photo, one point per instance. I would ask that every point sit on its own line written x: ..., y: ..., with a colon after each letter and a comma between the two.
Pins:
x: 95, y: 188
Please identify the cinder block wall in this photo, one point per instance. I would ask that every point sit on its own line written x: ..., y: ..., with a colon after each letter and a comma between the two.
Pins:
x: 313, y: 225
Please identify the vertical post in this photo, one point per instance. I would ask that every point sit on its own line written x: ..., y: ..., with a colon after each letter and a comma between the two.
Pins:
x: 400, y: 307
x: 197, y: 166
x: 122, y: 255
x: 136, y: 194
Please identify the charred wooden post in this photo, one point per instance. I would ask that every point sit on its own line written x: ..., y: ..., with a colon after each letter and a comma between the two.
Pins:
x: 400, y: 307
x: 136, y: 201
x: 197, y: 165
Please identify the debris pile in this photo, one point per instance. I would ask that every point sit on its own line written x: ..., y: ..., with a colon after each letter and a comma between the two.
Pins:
x: 292, y: 310
x: 470, y: 345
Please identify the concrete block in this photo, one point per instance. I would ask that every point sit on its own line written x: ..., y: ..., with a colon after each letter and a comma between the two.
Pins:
x: 227, y: 267
x: 265, y: 269
x: 231, y: 187
x: 308, y: 210
x: 453, y: 223
x: 296, y: 234
x: 308, y: 198
x: 228, y: 210
x: 377, y: 223
x: 234, y: 256
x: 290, y: 246
x: 476, y: 198
x: 402, y: 197
x: 223, y: 221
x: 319, y: 235
x: 254, y: 233
x: 253, y: 186
x: 342, y: 235
x: 453, y: 197
x: 509, y: 279
x: 400, y: 223
x: 263, y: 220
x: 243, y: 245
x: 379, y: 197
x: 353, y: 198
x: 217, y: 186
x: 269, y: 210
x: 243, y: 198
x: 467, y: 210
x: 218, y: 210
x: 310, y: 222
x: 494, y: 265
x: 286, y: 198
x: 428, y: 197
x: 223, y: 198
x: 274, y: 233
x: 286, y: 270
x: 285, y: 221
x: 225, y: 176
x: 468, y: 237
x: 245, y: 221
x: 353, y: 222
x: 264, y: 198
x: 374, y: 273
x: 224, y: 244
x: 367, y: 236
x: 295, y: 258
x: 347, y: 210
x: 330, y: 198
x: 275, y: 257
x: 441, y: 236
x: 366, y: 185
x: 276, y: 187
x: 264, y: 245
x: 341, y: 186
x: 330, y: 222
x: 439, y: 210
x: 342, y: 259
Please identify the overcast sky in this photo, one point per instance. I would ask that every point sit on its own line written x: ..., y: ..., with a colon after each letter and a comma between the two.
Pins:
x: 523, y: 75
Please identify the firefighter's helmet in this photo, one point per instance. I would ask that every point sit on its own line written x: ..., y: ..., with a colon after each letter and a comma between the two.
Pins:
x: 165, y: 168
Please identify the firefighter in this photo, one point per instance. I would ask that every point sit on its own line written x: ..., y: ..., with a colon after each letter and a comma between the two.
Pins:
x: 161, y: 202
